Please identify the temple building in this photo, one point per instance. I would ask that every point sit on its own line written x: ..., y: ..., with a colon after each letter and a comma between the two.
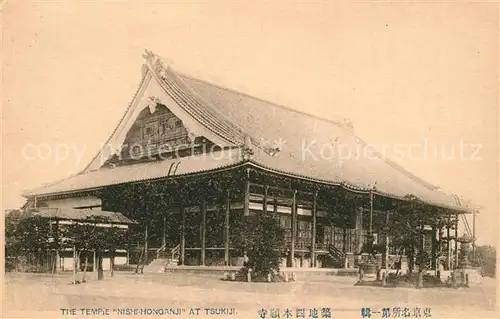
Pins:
x: 190, y: 160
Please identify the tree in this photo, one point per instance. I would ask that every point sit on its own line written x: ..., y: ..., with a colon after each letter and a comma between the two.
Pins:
x: 263, y: 242
x: 485, y: 258
x: 238, y: 227
x: 137, y: 201
x: 342, y: 206
x: 406, y: 226
x: 13, y: 243
x: 146, y: 203
x: 116, y: 238
x: 33, y: 236
x: 90, y: 235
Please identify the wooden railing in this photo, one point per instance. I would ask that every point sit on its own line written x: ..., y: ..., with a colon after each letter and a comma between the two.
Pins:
x: 164, y: 252
x: 175, y: 252
x: 338, y: 255
x: 160, y: 250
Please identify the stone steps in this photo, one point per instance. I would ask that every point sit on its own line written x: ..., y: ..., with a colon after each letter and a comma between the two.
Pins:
x: 157, y: 265
x: 160, y: 264
x: 173, y: 262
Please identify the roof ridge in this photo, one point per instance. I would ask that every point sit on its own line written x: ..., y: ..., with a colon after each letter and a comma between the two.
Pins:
x: 194, y: 94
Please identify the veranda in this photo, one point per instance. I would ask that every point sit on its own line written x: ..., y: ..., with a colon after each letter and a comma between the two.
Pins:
x: 200, y: 218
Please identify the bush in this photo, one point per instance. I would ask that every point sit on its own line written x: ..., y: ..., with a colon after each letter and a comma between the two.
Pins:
x: 263, y: 243
x: 242, y: 276
x: 410, y: 280
x: 431, y: 280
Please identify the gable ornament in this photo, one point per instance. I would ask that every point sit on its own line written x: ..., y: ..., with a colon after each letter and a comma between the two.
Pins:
x: 247, y: 148
x: 155, y: 63
x: 191, y: 137
x: 149, y: 56
x: 160, y: 68
x: 153, y: 103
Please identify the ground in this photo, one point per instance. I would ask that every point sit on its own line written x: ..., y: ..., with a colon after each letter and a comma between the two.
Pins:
x: 43, y: 295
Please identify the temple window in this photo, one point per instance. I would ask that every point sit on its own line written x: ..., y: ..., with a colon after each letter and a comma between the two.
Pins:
x: 285, y: 222
x: 148, y: 132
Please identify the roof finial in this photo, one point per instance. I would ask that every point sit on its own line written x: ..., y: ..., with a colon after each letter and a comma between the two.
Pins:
x: 155, y: 63
x: 149, y: 56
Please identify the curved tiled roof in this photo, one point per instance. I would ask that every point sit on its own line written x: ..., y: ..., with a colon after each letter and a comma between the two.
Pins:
x: 79, y: 214
x: 271, y: 122
x: 140, y: 172
x: 199, y: 109
x: 389, y: 186
x: 314, y: 147
x: 305, y: 145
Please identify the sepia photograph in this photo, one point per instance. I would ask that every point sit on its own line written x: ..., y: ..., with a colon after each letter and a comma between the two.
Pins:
x: 250, y: 159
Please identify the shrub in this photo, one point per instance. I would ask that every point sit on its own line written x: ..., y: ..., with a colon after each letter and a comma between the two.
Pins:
x: 264, y: 239
x: 431, y: 279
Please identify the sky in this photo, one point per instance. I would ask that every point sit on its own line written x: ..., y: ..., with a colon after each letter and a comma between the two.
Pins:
x: 404, y: 73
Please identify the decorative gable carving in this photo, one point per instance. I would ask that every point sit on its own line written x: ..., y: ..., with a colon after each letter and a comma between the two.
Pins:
x: 158, y: 134
x: 156, y: 88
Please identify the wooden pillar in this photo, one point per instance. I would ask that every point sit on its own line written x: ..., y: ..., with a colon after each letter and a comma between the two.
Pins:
x: 371, y: 215
x: 434, y: 248
x: 332, y: 234
x: 313, y: 241
x: 226, y: 228
x: 361, y: 237
x: 94, y: 262
x: 422, y: 239
x: 438, y: 249
x: 456, y: 242
x: 74, y: 264
x: 264, y: 206
x: 474, y: 237
x: 275, y: 206
x: 183, y: 233
x: 100, y: 273
x: 344, y: 239
x: 294, y: 228
x: 58, y: 244
x: 246, y: 203
x: 78, y: 261
x: 164, y: 237
x: 448, y: 246
x: 146, y: 249
x: 386, y: 250
x: 203, y: 209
